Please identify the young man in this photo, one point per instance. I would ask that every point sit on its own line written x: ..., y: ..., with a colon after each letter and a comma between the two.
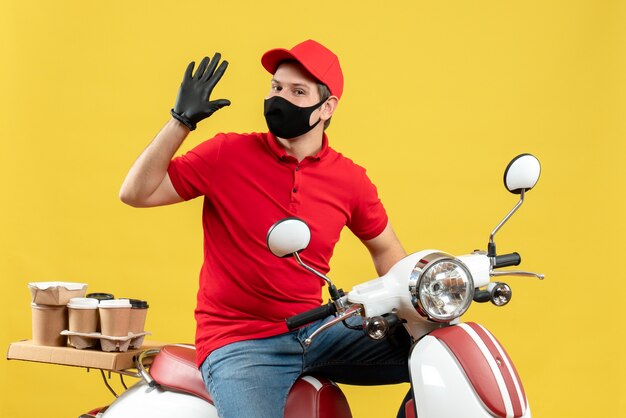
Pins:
x: 248, y: 359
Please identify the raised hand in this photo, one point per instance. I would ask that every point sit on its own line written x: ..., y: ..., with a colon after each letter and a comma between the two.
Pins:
x: 193, y: 101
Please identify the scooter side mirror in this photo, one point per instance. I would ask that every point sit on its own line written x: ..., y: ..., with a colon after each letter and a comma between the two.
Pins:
x: 522, y: 173
x: 288, y: 236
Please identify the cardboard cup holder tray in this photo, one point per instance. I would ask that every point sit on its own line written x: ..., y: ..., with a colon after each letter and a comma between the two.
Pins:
x: 81, y: 340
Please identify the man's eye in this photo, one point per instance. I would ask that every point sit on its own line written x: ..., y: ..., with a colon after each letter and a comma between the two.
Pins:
x: 299, y: 92
x: 277, y: 88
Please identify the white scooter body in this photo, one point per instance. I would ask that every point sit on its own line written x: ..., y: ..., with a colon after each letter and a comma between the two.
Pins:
x: 141, y: 400
x: 442, y: 386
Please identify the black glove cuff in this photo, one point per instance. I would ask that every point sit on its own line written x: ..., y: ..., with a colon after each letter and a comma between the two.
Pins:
x: 183, y: 120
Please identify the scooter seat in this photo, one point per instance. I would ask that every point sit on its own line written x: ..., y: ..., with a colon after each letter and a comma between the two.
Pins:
x: 310, y: 397
x: 175, y: 368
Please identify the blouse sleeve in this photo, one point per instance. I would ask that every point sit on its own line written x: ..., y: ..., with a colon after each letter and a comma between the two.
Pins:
x: 193, y: 172
x: 369, y: 217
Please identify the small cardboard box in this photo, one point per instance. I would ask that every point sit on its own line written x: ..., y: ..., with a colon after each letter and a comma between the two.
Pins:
x: 69, y: 356
x: 56, y: 293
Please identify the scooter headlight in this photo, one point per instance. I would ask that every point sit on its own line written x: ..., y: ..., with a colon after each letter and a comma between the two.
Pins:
x: 442, y: 287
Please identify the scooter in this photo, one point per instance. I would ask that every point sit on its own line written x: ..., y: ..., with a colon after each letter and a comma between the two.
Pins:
x: 456, y: 369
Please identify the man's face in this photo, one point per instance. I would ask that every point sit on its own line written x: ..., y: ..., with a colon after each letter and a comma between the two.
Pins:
x: 293, y: 83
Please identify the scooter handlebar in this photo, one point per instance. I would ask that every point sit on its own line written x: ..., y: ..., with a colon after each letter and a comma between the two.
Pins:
x: 506, y: 260
x: 309, y: 316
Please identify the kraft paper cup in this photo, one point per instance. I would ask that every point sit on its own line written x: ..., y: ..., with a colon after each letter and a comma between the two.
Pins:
x: 138, y: 313
x: 48, y: 322
x: 83, y: 314
x: 100, y: 297
x: 114, y: 317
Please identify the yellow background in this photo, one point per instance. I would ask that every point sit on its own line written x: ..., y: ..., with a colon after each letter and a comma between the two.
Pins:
x: 439, y: 96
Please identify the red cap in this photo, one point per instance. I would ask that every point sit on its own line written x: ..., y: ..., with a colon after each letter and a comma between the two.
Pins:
x: 320, y: 61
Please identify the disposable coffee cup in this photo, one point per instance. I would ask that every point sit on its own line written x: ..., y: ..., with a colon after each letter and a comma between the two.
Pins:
x: 83, y: 314
x: 138, y: 313
x: 114, y: 317
x: 48, y: 322
x: 100, y: 296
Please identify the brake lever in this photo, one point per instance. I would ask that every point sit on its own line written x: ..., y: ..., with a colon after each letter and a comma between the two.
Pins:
x: 516, y: 273
x: 351, y: 311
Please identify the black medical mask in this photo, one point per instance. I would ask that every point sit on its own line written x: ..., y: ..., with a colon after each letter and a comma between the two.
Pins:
x: 286, y: 120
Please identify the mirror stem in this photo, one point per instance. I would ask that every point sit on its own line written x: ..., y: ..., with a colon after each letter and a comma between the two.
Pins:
x: 492, y: 244
x: 332, y: 290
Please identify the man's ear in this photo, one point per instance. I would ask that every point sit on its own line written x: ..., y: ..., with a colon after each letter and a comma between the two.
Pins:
x: 329, y: 107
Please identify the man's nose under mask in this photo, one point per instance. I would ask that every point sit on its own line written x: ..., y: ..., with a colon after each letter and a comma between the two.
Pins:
x: 286, y: 120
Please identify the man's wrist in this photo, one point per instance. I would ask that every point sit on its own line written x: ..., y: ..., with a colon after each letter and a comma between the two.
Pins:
x: 183, y: 120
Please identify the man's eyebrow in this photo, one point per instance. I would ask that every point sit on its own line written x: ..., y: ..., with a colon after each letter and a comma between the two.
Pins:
x: 274, y: 80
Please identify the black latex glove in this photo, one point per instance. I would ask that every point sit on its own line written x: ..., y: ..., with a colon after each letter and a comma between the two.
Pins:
x: 193, y: 104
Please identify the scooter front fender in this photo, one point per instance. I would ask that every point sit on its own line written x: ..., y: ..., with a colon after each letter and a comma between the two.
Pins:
x: 462, y: 370
x: 143, y: 401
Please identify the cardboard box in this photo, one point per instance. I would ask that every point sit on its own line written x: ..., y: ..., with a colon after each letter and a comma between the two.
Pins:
x: 69, y: 356
x: 55, y: 293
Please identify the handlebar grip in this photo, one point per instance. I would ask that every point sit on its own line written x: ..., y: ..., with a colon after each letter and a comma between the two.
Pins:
x: 506, y: 260
x: 307, y: 317
x: 482, y: 296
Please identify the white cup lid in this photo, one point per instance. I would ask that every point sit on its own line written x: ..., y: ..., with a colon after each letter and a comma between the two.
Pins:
x: 83, y: 303
x: 115, y: 303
